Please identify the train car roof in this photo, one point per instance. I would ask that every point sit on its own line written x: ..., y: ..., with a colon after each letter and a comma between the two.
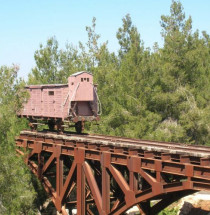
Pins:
x: 56, y: 85
x: 79, y: 73
x: 47, y: 86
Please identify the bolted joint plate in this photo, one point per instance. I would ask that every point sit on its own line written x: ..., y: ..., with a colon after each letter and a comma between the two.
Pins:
x: 189, y: 170
x: 134, y: 163
x: 79, y: 155
x: 57, y: 151
x: 106, y: 159
x: 38, y: 147
x: 130, y: 198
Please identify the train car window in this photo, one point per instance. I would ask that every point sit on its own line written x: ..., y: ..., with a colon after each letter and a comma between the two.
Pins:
x: 51, y: 93
x: 87, y: 79
x: 81, y: 79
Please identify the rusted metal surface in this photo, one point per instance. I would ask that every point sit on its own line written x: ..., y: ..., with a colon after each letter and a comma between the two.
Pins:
x: 108, y: 175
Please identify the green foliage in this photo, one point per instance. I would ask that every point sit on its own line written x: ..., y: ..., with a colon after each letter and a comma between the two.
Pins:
x: 12, y: 97
x: 183, y: 77
x: 161, y: 94
x: 47, y: 64
x: 128, y: 36
x: 169, y: 211
x: 16, y: 191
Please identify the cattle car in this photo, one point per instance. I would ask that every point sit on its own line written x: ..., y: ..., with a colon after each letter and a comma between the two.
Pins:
x: 59, y: 104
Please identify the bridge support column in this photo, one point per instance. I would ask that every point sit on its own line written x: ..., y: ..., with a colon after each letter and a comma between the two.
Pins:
x: 105, y: 162
x: 79, y: 158
x: 59, y: 176
x: 133, y: 182
x: 38, y: 150
x: 40, y: 165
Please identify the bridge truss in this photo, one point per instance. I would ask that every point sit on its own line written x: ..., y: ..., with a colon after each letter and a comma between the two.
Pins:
x: 108, y: 175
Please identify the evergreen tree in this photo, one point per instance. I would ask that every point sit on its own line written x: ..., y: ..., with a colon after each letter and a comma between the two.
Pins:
x: 47, y: 67
x: 16, y: 191
x: 180, y: 76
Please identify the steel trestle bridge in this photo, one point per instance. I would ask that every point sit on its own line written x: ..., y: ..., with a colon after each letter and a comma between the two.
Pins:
x: 99, y: 174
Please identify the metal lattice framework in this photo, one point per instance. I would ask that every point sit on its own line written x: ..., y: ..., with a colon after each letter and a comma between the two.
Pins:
x: 108, y: 177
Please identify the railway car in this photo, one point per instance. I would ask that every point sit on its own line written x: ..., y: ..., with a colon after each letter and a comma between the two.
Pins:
x: 60, y: 105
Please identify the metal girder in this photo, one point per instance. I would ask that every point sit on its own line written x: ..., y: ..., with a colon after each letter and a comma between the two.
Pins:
x: 97, y: 178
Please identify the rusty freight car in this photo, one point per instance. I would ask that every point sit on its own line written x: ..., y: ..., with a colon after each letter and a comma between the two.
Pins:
x: 59, y: 104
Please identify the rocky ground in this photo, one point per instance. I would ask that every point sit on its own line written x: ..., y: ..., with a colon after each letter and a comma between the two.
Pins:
x: 197, y: 204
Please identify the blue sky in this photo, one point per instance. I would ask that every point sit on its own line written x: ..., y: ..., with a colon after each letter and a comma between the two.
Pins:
x: 26, y: 24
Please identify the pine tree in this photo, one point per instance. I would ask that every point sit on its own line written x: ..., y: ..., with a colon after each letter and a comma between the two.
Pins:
x: 17, y: 193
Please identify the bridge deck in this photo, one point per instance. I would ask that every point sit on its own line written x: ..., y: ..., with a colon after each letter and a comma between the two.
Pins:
x: 115, y: 173
x: 164, y: 147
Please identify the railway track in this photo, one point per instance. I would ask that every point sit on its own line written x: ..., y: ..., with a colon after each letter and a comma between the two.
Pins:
x: 161, y: 144
x: 130, y: 143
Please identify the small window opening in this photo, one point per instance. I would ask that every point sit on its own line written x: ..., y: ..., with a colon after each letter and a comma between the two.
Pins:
x: 87, y: 79
x: 72, y: 83
x: 81, y: 79
x: 51, y: 93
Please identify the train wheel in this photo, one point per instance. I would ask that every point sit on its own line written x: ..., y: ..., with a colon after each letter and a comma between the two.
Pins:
x: 60, y: 127
x: 51, y: 125
x: 78, y: 127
